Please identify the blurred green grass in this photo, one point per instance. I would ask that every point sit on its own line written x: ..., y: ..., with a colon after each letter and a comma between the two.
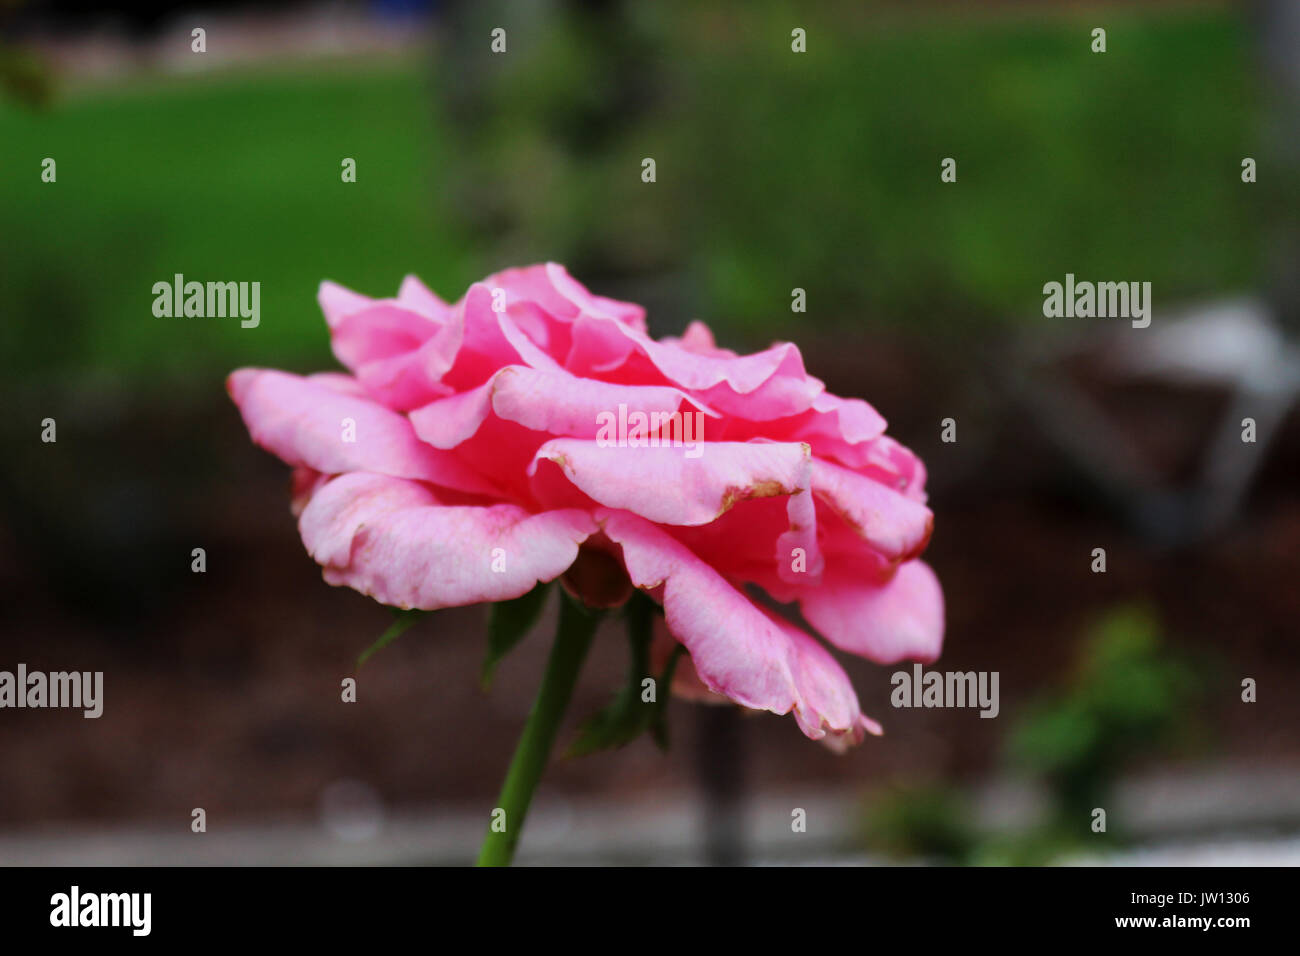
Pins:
x: 823, y: 171
x: 776, y: 170
x: 218, y: 178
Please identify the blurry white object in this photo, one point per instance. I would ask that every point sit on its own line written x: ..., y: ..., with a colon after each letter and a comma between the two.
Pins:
x: 1235, y: 344
x: 351, y: 811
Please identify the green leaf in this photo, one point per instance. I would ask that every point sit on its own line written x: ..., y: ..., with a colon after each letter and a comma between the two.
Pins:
x: 508, y: 623
x: 627, y: 716
x: 404, y: 619
x: 659, y: 725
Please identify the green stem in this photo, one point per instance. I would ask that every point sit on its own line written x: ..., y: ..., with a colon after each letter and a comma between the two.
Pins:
x: 572, y: 638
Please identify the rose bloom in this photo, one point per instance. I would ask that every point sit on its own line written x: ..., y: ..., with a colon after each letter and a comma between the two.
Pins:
x: 468, y: 455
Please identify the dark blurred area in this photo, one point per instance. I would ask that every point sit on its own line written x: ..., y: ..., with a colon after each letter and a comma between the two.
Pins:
x: 775, y: 171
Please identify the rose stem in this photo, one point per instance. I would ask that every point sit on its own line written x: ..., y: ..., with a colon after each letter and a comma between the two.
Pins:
x: 572, y: 638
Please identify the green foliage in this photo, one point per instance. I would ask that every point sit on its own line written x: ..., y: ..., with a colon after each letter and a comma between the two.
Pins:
x: 775, y: 170
x: 822, y: 169
x: 509, y: 623
x: 628, y: 716
x: 1126, y: 699
x: 221, y: 178
x: 24, y: 78
x: 402, y: 620
x: 550, y: 139
x: 925, y: 821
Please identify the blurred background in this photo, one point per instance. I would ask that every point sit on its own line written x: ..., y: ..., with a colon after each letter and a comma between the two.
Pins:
x: 775, y: 170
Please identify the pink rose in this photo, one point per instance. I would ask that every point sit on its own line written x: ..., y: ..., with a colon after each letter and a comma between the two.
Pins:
x: 475, y: 448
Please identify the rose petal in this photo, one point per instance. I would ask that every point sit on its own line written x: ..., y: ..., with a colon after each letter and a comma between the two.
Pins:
x: 549, y: 401
x: 306, y: 423
x: 765, y: 385
x: 897, y: 526
x: 664, y: 484
x: 337, y: 302
x: 560, y: 296
x: 490, y: 340
x: 899, y: 619
x: 394, y: 540
x: 737, y: 649
x: 414, y: 294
